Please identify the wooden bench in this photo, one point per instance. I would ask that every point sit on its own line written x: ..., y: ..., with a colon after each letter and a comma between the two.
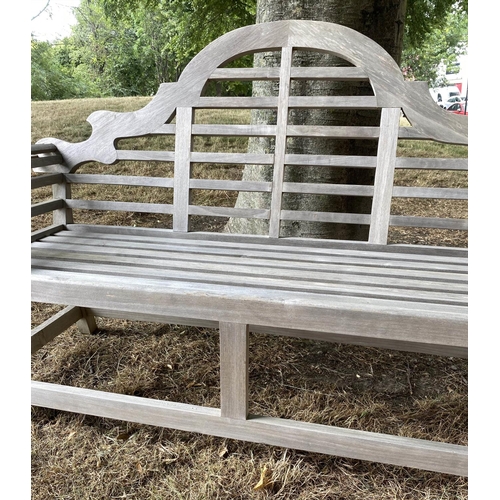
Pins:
x: 404, y: 296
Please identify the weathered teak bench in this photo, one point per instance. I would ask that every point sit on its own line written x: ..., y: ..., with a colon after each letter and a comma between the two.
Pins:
x: 400, y: 296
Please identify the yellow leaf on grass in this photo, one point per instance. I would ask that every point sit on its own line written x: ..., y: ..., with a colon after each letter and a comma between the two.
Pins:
x: 265, y: 479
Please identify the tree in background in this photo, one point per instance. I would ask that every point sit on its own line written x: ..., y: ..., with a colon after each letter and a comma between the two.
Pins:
x: 423, y: 55
x: 384, y: 21
x: 52, y: 76
x: 129, y: 47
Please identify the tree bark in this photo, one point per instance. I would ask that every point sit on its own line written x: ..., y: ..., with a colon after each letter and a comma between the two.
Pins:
x: 382, y: 21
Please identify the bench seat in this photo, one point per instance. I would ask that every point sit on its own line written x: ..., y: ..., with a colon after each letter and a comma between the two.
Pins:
x: 336, y: 290
x: 347, y: 164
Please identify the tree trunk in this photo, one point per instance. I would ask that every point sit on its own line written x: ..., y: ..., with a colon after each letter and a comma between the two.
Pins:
x: 382, y: 21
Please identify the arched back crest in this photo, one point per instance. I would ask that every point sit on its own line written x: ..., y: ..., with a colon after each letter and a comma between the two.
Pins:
x: 390, y: 89
x: 321, y: 36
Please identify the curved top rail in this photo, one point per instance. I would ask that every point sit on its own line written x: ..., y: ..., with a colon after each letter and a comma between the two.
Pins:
x: 385, y: 76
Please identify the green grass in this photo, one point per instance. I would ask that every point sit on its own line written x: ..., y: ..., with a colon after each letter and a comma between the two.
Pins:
x: 87, y: 458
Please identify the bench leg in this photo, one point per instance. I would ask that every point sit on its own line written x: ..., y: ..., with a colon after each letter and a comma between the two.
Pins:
x: 234, y: 370
x: 87, y: 323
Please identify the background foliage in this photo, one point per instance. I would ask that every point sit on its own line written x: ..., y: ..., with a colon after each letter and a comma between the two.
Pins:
x: 128, y: 47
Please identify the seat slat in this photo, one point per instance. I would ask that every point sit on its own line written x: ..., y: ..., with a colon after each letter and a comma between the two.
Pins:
x: 279, y: 257
x: 287, y: 246
x: 216, y: 278
x: 252, y: 268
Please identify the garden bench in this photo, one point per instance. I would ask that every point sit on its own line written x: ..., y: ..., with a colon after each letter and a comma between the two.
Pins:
x: 404, y: 296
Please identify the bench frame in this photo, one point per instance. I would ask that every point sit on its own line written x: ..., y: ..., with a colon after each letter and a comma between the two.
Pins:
x: 437, y: 330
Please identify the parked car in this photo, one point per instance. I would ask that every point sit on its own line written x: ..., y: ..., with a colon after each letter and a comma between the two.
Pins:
x: 452, y: 100
x: 459, y: 108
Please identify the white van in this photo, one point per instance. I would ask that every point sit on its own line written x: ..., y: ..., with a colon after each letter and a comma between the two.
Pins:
x: 442, y: 94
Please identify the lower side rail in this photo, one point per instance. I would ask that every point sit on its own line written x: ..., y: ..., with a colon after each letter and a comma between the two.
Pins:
x: 411, y: 345
x: 317, y: 438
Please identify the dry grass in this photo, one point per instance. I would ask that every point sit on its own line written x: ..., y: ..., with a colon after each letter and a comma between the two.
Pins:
x: 80, y: 457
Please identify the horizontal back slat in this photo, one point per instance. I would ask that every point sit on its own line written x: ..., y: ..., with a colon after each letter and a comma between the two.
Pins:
x: 45, y: 207
x: 340, y: 218
x: 332, y: 189
x: 248, y: 213
x: 238, y: 158
x: 297, y: 73
x: 120, y: 180
x: 429, y: 222
x: 331, y: 160
x: 433, y: 193
x: 44, y: 161
x: 154, y: 208
x: 337, y: 132
x: 234, y: 130
x: 432, y: 163
x: 45, y: 180
x: 341, y: 102
x: 264, y: 187
x: 145, y: 155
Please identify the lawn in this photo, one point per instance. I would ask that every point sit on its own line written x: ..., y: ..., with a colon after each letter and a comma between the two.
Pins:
x: 80, y: 457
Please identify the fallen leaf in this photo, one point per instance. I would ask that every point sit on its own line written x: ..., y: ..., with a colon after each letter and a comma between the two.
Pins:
x: 123, y: 436
x: 265, y: 479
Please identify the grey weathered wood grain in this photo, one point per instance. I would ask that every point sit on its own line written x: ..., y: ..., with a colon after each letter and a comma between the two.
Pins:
x: 433, y: 163
x: 242, y: 158
x: 154, y: 208
x: 402, y: 451
x: 337, y: 132
x: 62, y: 191
x: 407, y: 297
x: 45, y: 180
x: 439, y: 193
x: 145, y: 155
x: 254, y: 130
x: 280, y: 147
x: 297, y: 73
x: 321, y: 246
x: 251, y: 213
x: 384, y: 176
x: 54, y: 326
x: 46, y: 206
x: 182, y: 168
x: 410, y: 346
x: 120, y: 180
x: 160, y: 242
x: 46, y: 231
x: 430, y: 222
x: 233, y: 370
x: 231, y: 185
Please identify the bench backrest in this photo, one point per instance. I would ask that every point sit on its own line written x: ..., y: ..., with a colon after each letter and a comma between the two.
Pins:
x: 176, y: 113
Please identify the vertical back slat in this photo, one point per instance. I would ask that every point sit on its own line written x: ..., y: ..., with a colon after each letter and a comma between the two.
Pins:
x: 280, y: 149
x: 62, y: 191
x: 182, y: 168
x: 384, y: 175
